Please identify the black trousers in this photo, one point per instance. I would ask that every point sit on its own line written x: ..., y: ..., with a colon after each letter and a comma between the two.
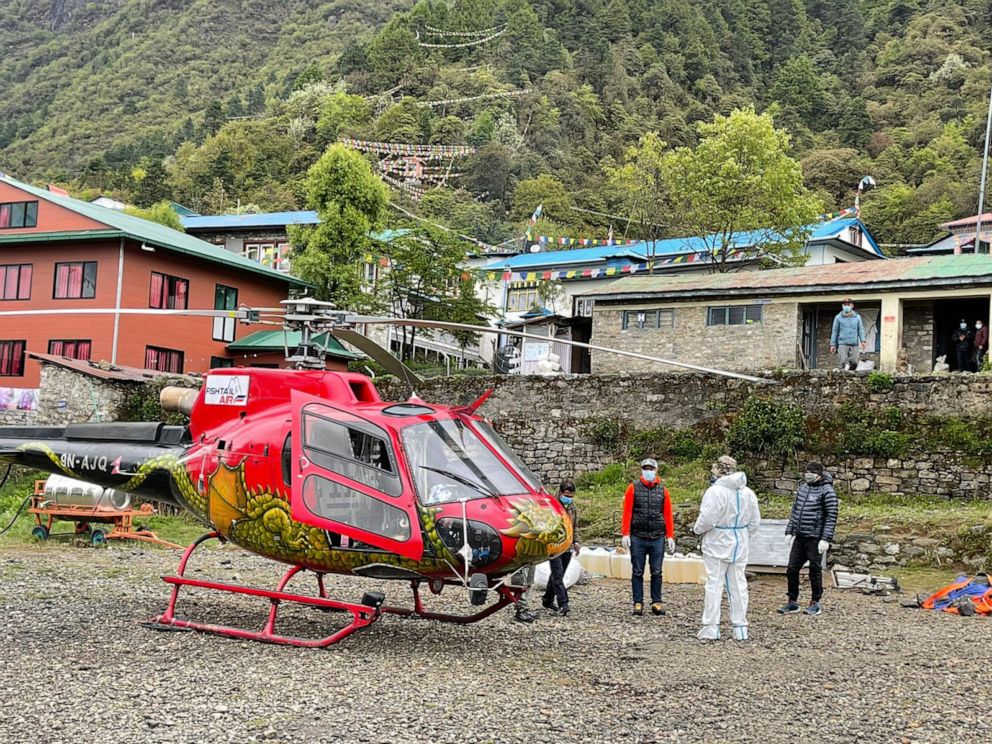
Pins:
x: 556, y: 584
x: 804, y: 549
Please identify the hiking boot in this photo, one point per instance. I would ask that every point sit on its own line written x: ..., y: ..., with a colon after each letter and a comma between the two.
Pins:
x: 549, y: 605
x: 813, y: 609
x: 789, y: 608
x: 524, y: 616
x: 638, y: 608
x: 563, y: 612
x: 657, y: 608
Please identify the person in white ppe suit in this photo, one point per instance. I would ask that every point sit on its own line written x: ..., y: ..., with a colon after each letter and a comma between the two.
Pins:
x: 728, y: 516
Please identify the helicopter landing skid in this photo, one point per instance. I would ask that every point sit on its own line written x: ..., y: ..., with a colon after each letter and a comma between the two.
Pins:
x: 507, y: 595
x: 363, y: 614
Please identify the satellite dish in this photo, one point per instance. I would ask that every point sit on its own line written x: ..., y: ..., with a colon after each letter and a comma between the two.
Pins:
x: 536, y: 248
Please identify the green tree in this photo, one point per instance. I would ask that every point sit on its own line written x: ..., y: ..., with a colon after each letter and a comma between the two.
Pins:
x: 546, y: 191
x: 393, y: 54
x: 425, y: 268
x: 350, y: 200
x: 641, y: 187
x: 341, y: 112
x: 740, y: 190
x: 162, y: 213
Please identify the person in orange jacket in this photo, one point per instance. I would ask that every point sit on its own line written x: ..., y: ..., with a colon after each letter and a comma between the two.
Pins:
x: 647, y: 529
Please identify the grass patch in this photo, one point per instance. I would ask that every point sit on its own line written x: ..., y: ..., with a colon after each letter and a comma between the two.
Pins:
x: 599, y: 499
x: 179, y: 529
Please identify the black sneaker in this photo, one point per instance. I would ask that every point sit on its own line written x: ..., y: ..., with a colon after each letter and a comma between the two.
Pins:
x: 524, y: 616
x: 638, y: 608
x: 657, y: 608
x: 789, y: 608
x: 561, y: 612
x: 549, y: 605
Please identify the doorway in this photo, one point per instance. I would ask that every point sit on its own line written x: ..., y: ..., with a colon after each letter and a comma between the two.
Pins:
x: 947, y: 316
x: 809, y: 337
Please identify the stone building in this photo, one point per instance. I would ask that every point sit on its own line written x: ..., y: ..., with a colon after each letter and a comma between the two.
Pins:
x: 783, y: 317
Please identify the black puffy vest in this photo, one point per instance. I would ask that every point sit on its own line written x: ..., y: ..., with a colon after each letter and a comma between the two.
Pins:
x: 647, y: 520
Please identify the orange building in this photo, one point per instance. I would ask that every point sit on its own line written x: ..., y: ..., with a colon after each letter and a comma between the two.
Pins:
x: 66, y: 256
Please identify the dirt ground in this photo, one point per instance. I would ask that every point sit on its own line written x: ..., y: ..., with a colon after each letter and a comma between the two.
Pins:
x: 76, y: 666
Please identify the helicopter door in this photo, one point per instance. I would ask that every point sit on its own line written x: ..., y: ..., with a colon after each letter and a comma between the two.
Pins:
x: 346, y: 479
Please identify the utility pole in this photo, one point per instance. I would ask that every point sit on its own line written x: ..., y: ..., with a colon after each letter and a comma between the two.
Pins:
x: 985, y: 168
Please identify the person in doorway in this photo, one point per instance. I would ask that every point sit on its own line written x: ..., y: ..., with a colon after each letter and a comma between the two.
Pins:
x: 556, y: 589
x: 728, y: 517
x: 981, y: 344
x: 647, y: 529
x: 847, y: 338
x: 810, y: 530
x: 963, y: 346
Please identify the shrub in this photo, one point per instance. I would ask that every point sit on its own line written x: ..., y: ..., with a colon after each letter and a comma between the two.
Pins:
x: 767, y: 426
x: 879, y: 382
x: 609, y: 432
x: 685, y: 445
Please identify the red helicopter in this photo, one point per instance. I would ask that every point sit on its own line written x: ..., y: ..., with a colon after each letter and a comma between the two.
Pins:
x: 313, y: 469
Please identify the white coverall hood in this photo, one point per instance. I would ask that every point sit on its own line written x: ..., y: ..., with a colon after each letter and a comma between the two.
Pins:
x: 733, y: 481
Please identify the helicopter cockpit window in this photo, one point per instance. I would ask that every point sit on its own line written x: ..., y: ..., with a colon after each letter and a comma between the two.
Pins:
x: 349, y: 446
x: 335, y: 501
x: 449, y: 462
x: 497, y: 443
x: 287, y: 459
x: 407, y: 409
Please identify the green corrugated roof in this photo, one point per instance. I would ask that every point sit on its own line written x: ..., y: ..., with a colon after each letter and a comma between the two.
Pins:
x: 147, y: 232
x: 278, y: 340
x: 936, y: 270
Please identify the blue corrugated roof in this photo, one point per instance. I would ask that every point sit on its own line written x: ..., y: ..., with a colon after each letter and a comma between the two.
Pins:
x: 667, y: 247
x: 244, y: 221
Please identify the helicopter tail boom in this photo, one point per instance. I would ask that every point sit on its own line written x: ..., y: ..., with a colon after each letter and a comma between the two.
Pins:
x: 113, y: 455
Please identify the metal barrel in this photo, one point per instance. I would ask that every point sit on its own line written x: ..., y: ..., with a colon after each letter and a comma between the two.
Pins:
x: 63, y: 491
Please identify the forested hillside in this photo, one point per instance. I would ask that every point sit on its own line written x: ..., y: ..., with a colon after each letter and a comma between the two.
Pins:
x: 220, y: 102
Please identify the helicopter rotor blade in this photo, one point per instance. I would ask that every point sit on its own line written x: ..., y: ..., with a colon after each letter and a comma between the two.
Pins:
x: 239, y: 314
x: 444, y: 325
x: 378, y: 354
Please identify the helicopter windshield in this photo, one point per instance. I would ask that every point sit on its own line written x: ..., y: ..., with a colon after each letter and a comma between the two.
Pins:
x: 449, y: 462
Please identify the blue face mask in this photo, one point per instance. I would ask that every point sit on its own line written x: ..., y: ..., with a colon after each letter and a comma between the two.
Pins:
x: 566, y: 500
x: 647, y: 475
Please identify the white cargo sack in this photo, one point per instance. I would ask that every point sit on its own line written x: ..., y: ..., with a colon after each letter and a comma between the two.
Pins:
x: 542, y: 574
x: 866, y: 365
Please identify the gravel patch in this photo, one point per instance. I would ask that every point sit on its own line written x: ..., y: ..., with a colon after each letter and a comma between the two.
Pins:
x: 76, y: 666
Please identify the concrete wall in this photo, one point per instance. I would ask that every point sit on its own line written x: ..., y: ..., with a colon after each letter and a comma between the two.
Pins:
x: 767, y: 345
x: 556, y: 424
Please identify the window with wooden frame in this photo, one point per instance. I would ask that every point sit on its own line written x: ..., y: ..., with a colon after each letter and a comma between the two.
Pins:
x: 646, y: 319
x: 12, y: 358
x: 168, y: 292
x: 734, y: 315
x: 163, y: 360
x: 73, y: 349
x: 15, y: 282
x: 18, y: 214
x: 75, y: 281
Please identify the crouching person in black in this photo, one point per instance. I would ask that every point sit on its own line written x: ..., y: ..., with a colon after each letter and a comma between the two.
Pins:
x: 810, y: 529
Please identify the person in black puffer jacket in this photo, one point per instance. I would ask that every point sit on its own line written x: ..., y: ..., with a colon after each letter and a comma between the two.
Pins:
x: 810, y: 529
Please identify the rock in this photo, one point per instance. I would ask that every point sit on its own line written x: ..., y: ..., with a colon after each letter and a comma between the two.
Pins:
x: 892, y: 549
x: 926, y: 542
x: 860, y: 485
x: 869, y: 548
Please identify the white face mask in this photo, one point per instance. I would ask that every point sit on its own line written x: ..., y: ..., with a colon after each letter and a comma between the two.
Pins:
x: 811, y: 477
x: 978, y: 326
x: 648, y: 475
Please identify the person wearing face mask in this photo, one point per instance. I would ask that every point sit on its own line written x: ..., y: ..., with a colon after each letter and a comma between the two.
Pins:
x: 963, y: 346
x: 847, y: 338
x: 981, y: 344
x: 810, y: 530
x: 647, y: 529
x: 556, y: 589
x: 728, y: 517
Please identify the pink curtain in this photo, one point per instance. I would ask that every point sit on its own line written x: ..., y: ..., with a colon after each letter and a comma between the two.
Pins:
x: 5, y: 352
x: 83, y: 350
x: 24, y: 291
x: 11, y: 283
x: 4, y: 215
x: 3, y: 283
x: 56, y: 348
x: 151, y: 358
x: 75, y: 280
x: 62, y: 281
x: 155, y: 296
x: 182, y: 290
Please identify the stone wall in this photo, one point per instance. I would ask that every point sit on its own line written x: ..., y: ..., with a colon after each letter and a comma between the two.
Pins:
x: 770, y: 344
x: 557, y: 424
x: 70, y: 397
x: 938, y: 474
